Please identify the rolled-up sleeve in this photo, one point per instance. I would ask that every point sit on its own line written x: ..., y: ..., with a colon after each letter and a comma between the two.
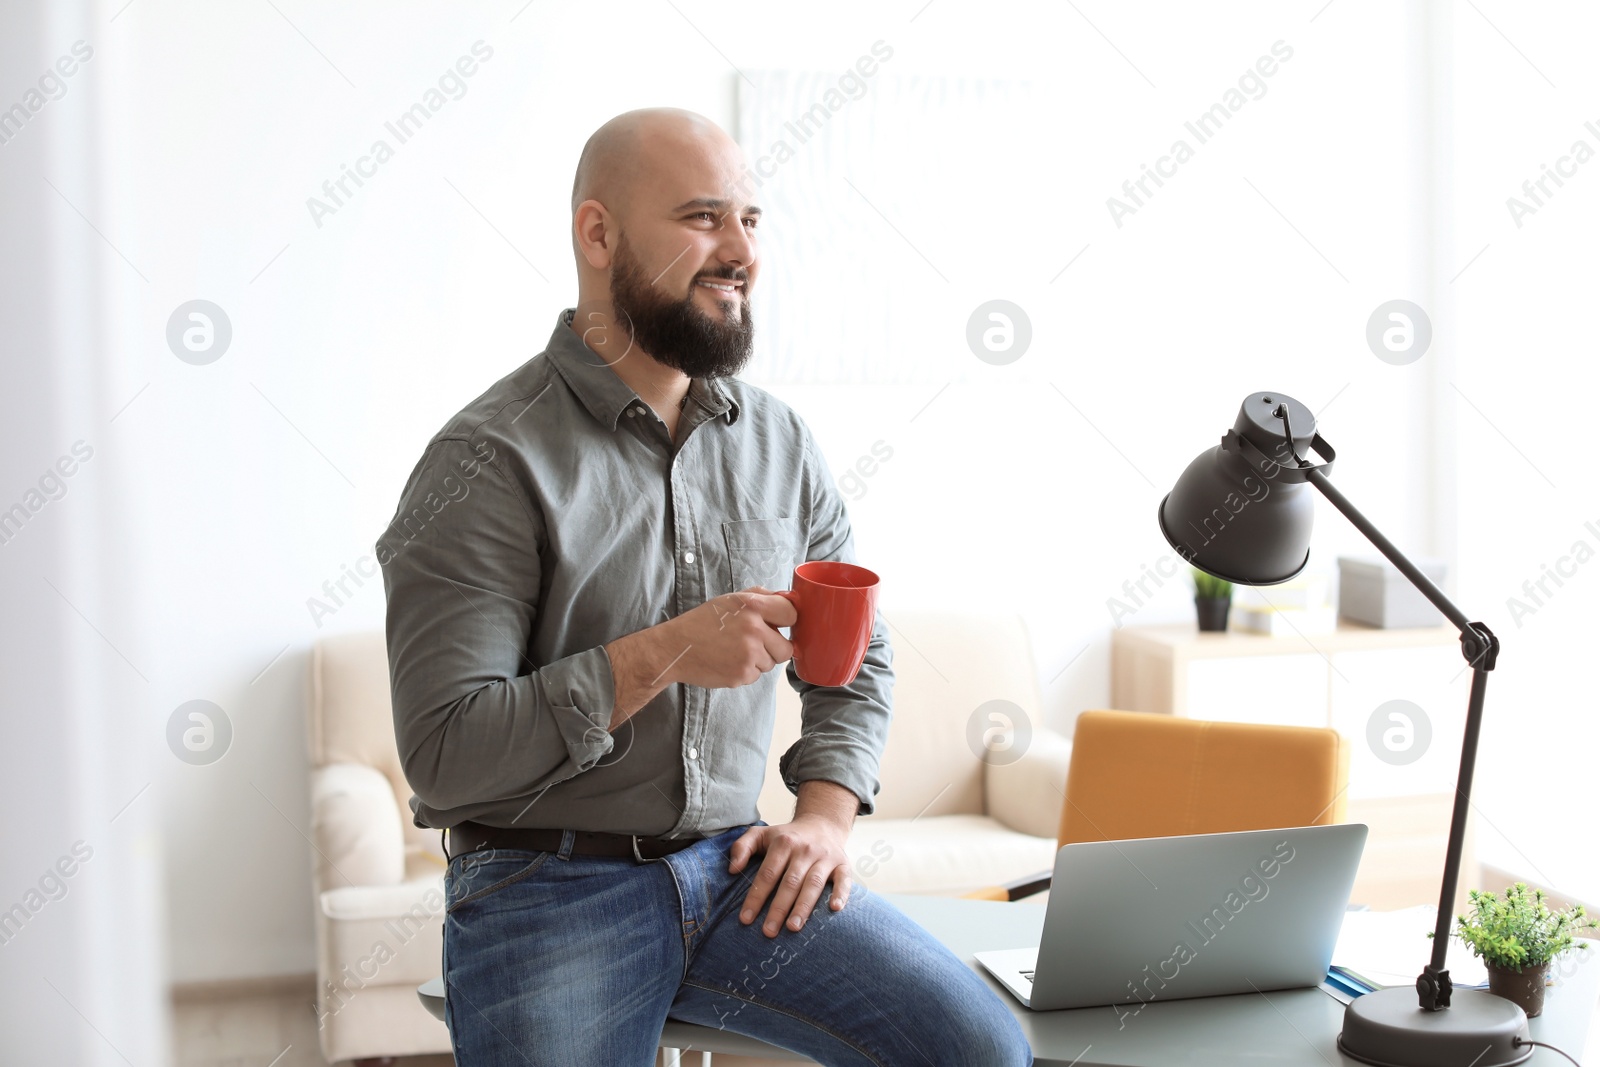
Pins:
x: 842, y: 728
x: 475, y: 720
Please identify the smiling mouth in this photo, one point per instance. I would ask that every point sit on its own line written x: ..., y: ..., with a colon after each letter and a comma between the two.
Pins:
x: 726, y: 289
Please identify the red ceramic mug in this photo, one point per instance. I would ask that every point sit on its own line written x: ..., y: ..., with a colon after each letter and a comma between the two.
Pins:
x: 836, y: 605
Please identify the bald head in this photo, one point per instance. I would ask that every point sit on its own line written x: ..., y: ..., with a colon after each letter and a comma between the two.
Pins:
x: 640, y: 147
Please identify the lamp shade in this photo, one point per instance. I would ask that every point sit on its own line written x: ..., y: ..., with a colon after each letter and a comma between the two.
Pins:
x: 1242, y: 510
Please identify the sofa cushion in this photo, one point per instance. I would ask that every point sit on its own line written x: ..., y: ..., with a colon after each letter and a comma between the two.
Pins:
x: 943, y: 855
x: 356, y: 826
x: 382, y: 935
x: 350, y: 719
x: 947, y: 665
x: 417, y: 897
x: 1026, y: 793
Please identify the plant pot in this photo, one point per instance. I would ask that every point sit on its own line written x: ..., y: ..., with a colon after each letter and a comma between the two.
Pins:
x: 1212, y: 613
x: 1524, y: 988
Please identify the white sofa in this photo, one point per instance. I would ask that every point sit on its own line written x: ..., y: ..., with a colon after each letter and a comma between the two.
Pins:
x: 947, y: 821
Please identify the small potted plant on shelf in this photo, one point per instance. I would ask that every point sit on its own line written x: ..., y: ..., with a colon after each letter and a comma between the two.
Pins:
x: 1212, y: 599
x: 1517, y: 936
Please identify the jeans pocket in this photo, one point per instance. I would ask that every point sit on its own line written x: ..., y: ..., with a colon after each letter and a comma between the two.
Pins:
x: 490, y: 865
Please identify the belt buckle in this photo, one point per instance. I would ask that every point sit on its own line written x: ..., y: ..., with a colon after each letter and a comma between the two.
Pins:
x: 634, y: 838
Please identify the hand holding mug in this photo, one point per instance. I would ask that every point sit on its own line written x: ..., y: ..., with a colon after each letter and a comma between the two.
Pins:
x: 729, y: 641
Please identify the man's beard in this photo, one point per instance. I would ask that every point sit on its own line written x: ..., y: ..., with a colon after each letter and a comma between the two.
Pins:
x: 676, y: 333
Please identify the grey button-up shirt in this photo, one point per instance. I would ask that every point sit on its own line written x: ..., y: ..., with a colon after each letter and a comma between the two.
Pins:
x: 555, y: 514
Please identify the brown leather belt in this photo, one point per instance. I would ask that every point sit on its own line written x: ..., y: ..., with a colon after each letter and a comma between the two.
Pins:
x: 472, y: 836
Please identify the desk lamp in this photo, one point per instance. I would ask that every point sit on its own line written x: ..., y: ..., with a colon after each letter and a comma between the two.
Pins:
x: 1241, y: 512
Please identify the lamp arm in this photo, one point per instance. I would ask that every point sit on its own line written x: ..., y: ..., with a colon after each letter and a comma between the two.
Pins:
x: 1480, y: 647
x: 1425, y: 585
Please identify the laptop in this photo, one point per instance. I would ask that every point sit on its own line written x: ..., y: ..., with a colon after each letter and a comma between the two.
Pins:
x: 1168, y: 918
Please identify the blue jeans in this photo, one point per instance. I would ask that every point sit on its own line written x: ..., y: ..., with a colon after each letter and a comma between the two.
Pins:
x: 564, y: 960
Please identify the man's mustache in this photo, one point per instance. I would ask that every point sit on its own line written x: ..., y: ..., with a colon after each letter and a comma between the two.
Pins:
x: 726, y: 274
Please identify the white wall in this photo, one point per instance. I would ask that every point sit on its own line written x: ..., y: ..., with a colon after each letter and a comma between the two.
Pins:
x: 1526, y: 376
x: 245, y: 484
x: 82, y: 977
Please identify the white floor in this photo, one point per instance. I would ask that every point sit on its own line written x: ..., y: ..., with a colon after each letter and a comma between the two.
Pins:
x: 261, y: 1030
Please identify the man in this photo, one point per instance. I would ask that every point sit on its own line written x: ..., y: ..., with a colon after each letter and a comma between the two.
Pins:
x: 582, y: 636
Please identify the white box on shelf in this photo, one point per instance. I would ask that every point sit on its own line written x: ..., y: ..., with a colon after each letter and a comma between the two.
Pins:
x: 1373, y: 592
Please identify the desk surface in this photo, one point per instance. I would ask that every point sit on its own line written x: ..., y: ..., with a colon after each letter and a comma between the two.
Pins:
x: 1284, y: 1028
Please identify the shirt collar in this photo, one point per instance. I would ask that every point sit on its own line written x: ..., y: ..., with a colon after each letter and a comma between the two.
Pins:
x: 608, y: 396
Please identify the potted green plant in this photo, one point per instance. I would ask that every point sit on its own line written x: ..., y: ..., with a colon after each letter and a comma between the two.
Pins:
x: 1212, y: 599
x: 1517, y: 936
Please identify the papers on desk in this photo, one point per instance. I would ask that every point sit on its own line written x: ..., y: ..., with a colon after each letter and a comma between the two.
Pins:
x: 1380, y: 949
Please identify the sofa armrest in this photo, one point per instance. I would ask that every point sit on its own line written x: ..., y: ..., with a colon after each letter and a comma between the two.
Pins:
x: 355, y: 827
x: 1027, y: 794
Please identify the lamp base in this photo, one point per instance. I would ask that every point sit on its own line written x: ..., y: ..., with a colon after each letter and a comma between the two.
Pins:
x: 1387, y: 1028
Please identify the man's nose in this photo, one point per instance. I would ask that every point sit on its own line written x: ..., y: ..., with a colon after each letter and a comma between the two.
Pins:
x: 738, y: 245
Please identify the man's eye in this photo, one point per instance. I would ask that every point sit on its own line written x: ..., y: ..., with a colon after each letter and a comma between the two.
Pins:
x: 751, y: 222
x: 706, y: 215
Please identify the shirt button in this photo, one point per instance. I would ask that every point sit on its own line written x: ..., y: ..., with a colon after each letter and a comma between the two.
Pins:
x: 694, y: 753
x: 630, y: 413
x: 688, y: 557
x: 639, y: 410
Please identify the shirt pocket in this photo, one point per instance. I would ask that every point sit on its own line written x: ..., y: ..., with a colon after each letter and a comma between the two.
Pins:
x: 760, y: 552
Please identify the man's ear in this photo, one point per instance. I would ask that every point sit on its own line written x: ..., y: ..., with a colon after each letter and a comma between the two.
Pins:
x: 594, y: 231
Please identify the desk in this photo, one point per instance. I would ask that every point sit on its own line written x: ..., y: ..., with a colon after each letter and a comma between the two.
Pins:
x: 1284, y: 1028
